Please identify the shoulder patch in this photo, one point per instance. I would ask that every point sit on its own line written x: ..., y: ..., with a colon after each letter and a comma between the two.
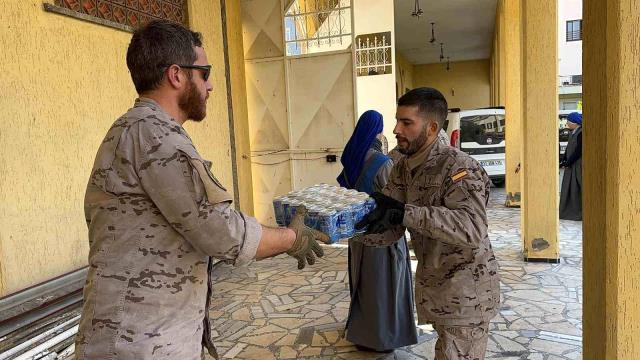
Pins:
x: 459, y: 176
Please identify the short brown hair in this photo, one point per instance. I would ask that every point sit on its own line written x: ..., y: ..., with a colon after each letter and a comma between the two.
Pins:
x: 155, y: 46
x: 429, y: 102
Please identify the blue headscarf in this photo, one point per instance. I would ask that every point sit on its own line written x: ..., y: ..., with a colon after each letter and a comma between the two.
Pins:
x: 575, y: 117
x: 369, y: 125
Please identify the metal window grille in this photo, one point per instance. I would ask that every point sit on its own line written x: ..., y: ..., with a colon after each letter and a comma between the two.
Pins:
x: 318, y: 26
x: 574, y: 30
x: 373, y: 54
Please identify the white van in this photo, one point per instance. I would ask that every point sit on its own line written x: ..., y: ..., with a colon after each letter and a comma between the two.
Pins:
x: 480, y: 133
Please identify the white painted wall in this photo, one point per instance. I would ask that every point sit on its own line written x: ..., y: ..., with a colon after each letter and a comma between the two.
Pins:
x: 569, y: 53
x: 377, y: 92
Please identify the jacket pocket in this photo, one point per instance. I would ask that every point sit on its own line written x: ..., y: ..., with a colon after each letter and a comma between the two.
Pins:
x: 214, y: 190
x: 429, y: 189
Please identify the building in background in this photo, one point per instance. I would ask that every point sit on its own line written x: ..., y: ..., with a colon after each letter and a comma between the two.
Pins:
x: 570, y: 54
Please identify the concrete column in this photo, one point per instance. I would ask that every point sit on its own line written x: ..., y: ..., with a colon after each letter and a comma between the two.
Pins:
x: 494, y: 71
x: 502, y: 59
x: 377, y: 92
x: 237, y: 103
x: 611, y: 192
x: 513, y: 99
x: 540, y: 124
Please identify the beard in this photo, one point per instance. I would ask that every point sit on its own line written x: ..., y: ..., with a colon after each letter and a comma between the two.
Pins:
x: 413, y: 146
x: 192, y: 103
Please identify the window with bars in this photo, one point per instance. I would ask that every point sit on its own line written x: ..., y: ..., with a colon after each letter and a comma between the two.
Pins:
x: 127, y: 13
x: 315, y: 26
x: 574, y: 30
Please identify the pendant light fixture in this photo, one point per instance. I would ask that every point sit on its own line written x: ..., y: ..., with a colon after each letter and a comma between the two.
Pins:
x: 417, y: 10
x: 433, y: 33
x: 441, y: 52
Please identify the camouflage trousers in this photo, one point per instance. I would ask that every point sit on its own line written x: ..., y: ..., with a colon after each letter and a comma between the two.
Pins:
x: 461, y: 342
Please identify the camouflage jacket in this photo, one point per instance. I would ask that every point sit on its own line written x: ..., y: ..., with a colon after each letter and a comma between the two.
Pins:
x: 457, y: 280
x: 156, y: 214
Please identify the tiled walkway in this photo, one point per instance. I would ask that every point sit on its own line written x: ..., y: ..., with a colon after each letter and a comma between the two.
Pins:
x: 271, y: 310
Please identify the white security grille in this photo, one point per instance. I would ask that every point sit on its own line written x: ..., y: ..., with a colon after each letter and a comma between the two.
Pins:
x: 373, y: 54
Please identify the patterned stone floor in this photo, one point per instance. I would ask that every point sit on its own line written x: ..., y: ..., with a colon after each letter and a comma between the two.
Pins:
x: 271, y: 310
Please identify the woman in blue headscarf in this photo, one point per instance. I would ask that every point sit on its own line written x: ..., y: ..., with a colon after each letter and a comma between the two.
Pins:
x: 364, y: 152
x: 571, y: 191
x: 381, y: 311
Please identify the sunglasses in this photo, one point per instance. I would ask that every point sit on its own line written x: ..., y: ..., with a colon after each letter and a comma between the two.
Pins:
x: 206, y: 69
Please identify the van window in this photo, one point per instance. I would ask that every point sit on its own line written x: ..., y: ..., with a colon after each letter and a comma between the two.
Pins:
x: 482, y: 134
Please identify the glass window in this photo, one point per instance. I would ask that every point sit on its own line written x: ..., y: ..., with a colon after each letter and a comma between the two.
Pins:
x: 574, y: 30
x: 477, y: 129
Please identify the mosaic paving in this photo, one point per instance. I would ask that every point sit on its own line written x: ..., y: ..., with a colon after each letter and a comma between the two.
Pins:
x: 271, y: 310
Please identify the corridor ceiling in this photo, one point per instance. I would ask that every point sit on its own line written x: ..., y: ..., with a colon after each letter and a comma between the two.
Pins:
x: 464, y: 26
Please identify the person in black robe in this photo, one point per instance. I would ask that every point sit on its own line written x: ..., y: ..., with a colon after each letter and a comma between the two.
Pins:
x: 381, y: 314
x: 571, y: 192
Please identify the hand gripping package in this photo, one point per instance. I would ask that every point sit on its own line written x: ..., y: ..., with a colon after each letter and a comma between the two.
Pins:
x: 330, y: 209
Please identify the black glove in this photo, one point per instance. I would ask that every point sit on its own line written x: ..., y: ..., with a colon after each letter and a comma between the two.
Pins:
x: 388, y: 213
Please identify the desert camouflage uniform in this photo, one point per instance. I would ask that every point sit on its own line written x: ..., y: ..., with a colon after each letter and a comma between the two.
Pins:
x: 156, y: 216
x: 457, y: 282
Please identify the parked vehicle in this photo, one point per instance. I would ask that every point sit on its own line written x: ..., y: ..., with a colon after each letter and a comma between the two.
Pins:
x: 481, y: 134
x: 563, y: 131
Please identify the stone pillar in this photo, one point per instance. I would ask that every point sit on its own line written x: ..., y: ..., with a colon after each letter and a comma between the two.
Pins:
x: 540, y: 125
x: 513, y: 99
x: 611, y: 192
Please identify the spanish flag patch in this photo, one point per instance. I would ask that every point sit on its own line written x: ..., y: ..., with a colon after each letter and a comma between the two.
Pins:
x: 459, y: 176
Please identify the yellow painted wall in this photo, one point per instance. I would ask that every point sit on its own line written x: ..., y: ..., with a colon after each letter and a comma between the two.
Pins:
x: 500, y: 46
x: 493, y: 69
x: 404, y: 74
x: 465, y: 86
x: 498, y: 59
x: 239, y: 101
x: 64, y: 82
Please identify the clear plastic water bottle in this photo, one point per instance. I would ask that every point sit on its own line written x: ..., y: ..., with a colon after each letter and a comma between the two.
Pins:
x: 340, y: 220
x: 311, y: 220
x: 278, y: 209
x: 290, y: 211
x: 286, y: 203
x: 359, y: 211
x: 345, y: 219
x: 370, y: 204
x: 328, y: 223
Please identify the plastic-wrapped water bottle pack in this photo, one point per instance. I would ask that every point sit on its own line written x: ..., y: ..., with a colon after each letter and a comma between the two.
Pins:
x: 330, y: 209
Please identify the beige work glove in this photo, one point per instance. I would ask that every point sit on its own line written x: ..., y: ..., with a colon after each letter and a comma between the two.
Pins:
x: 306, y: 244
